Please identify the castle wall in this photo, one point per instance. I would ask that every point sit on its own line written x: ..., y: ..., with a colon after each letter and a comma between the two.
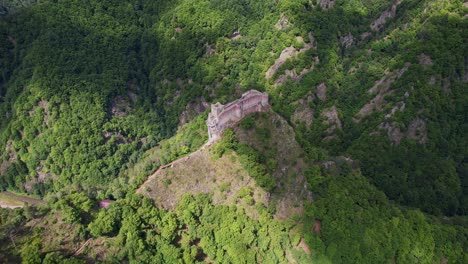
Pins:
x: 224, y: 116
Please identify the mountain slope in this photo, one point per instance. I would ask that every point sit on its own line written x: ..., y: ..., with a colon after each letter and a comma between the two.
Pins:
x: 126, y: 72
x: 94, y: 95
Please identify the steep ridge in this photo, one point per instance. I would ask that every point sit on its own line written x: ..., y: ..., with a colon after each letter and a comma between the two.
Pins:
x: 224, y: 178
x: 370, y: 116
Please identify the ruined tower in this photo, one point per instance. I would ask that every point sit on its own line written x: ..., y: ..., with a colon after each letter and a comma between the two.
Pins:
x: 224, y: 116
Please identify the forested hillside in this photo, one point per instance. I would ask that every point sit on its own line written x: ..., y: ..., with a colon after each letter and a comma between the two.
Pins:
x: 95, y: 95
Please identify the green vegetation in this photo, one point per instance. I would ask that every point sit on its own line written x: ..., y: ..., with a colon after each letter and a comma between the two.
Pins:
x: 142, y: 163
x: 92, y: 94
x: 248, y: 157
x: 195, y: 231
x: 427, y: 176
x: 359, y: 225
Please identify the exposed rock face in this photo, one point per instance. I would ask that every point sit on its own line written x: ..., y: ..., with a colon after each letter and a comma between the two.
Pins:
x: 347, y: 40
x: 41, y: 177
x: 210, y: 51
x: 425, y: 60
x: 193, y: 109
x: 365, y: 35
x: 326, y: 4
x: 282, y: 23
x: 303, y: 112
x: 331, y: 114
x: 331, y: 119
x: 400, y: 106
x: 465, y: 5
x: 387, y: 14
x: 224, y: 116
x: 334, y: 165
x: 374, y: 104
x: 416, y: 131
x: 119, y: 138
x: 288, y: 53
x: 382, y: 88
x: 293, y: 75
x: 119, y: 107
x: 43, y: 104
x: 12, y: 156
x: 393, y: 131
x: 236, y: 35
x: 303, y: 245
x: 322, y: 91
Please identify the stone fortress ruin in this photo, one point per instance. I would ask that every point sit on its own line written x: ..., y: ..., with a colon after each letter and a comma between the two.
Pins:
x: 225, y: 116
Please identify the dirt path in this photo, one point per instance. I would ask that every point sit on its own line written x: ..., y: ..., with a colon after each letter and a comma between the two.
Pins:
x: 11, y: 200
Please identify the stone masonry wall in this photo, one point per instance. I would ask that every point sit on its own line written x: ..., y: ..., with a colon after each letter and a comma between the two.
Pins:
x: 224, y: 116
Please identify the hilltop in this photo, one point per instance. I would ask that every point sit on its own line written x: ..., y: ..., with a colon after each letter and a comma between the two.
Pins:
x: 225, y: 177
x: 360, y: 156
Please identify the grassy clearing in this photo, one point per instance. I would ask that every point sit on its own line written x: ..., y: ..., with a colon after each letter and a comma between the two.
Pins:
x: 189, y: 138
x: 224, y: 178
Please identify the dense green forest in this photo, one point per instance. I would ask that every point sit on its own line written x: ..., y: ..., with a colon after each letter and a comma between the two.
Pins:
x: 92, y: 95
